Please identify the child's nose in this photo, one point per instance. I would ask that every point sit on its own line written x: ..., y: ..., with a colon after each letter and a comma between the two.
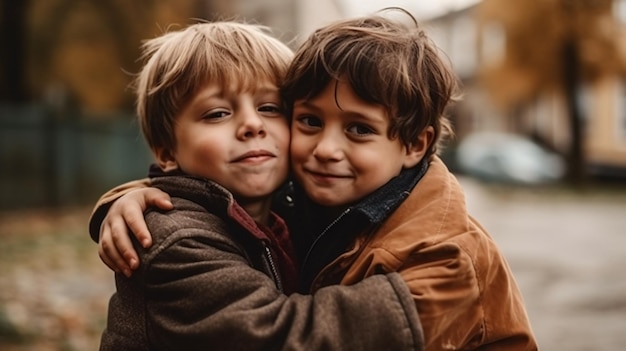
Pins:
x: 252, y: 125
x: 328, y: 148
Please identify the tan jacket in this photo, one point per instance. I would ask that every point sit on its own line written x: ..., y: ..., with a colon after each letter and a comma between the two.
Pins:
x: 464, y: 290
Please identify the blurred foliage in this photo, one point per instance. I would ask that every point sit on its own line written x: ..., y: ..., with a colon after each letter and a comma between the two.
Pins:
x: 536, y: 32
x: 81, y: 52
x: 554, y: 45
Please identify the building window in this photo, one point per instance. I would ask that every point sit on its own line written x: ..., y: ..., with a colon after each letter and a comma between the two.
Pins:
x: 619, y: 10
x: 584, y: 102
x: 620, y: 113
x: 463, y: 46
x: 493, y: 44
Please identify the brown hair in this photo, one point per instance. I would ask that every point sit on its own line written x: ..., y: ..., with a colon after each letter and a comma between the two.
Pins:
x: 386, y: 62
x: 179, y: 62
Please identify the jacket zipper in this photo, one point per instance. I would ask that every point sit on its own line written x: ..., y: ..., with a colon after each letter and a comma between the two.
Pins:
x: 319, y: 237
x: 272, y: 266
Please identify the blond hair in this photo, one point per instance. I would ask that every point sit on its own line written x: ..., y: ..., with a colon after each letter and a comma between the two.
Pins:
x: 386, y: 62
x: 177, y: 63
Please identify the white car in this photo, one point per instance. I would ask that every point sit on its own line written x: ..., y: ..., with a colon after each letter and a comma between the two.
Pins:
x: 509, y: 158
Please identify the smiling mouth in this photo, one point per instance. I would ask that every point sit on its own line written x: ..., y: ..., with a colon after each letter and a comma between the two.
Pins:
x: 253, y: 156
x: 326, y: 175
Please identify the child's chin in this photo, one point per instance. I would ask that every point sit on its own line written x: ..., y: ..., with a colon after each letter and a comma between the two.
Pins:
x: 326, y: 201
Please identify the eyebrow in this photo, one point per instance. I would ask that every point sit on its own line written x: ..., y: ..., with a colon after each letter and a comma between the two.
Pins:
x: 366, y: 118
x: 352, y: 114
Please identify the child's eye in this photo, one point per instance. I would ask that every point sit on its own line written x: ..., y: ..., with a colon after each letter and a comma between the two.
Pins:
x: 272, y: 109
x: 360, y: 130
x: 215, y: 114
x: 310, y: 121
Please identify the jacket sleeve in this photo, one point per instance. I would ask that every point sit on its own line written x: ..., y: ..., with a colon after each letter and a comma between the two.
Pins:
x: 454, y: 312
x: 203, y: 294
x: 443, y: 281
x: 105, y: 201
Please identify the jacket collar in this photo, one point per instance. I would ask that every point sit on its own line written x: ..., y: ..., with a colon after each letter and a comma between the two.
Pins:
x: 327, y: 244
x: 209, y: 194
x: 381, y: 203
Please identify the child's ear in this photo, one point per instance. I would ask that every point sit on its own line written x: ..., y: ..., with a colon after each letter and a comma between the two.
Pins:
x: 416, y: 151
x: 165, y: 159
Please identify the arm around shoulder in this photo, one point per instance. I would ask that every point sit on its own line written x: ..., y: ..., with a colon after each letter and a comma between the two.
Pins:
x: 202, y: 293
x: 105, y: 201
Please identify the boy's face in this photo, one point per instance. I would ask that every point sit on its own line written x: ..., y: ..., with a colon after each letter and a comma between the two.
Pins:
x: 237, y: 139
x: 340, y: 151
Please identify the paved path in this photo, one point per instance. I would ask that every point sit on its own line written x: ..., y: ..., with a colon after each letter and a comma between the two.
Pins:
x: 568, y: 252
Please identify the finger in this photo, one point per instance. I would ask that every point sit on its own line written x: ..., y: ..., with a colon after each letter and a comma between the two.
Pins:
x: 136, y: 222
x: 110, y: 255
x: 158, y: 198
x: 107, y: 261
x: 104, y: 232
x: 102, y: 254
x: 123, y: 246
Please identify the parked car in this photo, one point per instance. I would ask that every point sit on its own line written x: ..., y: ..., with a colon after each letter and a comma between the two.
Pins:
x: 501, y: 157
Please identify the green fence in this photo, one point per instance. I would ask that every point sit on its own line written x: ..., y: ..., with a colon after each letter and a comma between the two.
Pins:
x: 50, y: 158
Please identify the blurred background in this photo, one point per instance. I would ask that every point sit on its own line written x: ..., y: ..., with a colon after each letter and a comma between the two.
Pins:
x: 540, y: 147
